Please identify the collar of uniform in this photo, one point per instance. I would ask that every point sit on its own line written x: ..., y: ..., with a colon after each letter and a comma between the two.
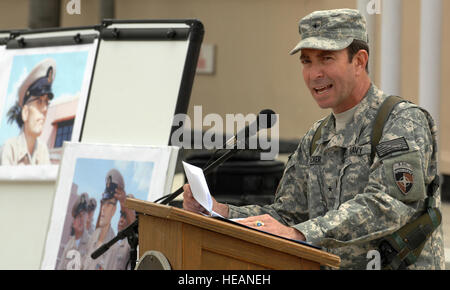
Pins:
x: 366, y: 112
x: 350, y: 135
x: 373, y: 100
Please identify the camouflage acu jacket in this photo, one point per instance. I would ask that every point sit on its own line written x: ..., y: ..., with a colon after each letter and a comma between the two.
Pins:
x: 344, y: 203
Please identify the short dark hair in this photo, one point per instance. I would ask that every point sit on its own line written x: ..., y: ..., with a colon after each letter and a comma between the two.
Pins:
x: 356, y: 46
x: 15, y: 115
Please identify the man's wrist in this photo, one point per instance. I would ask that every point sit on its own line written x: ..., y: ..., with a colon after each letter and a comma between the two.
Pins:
x: 298, y: 235
x: 221, y: 209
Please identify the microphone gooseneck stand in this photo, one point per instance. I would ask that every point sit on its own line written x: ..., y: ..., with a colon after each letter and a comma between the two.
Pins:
x: 131, y: 232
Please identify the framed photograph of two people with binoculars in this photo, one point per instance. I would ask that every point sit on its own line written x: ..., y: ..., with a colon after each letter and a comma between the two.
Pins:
x: 88, y: 208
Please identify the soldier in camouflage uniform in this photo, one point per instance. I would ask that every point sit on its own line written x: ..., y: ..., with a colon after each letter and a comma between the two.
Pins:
x: 338, y: 198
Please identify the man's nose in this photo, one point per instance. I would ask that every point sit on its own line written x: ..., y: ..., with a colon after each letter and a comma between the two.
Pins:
x: 44, y: 103
x: 316, y: 72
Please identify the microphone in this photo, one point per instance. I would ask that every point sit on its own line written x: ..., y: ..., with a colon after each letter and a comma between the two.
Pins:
x: 265, y: 120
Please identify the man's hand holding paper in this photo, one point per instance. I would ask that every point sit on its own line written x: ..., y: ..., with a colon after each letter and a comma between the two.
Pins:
x: 196, y: 194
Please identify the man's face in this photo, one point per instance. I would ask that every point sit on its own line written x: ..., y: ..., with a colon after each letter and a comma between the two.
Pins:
x: 107, y: 211
x: 78, y: 224
x: 330, y: 77
x: 34, y: 114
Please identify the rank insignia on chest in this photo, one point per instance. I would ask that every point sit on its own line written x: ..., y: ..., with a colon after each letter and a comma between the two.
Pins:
x: 315, y: 160
x: 403, y: 175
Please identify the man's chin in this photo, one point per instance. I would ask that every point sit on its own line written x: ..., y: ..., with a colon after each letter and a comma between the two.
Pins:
x: 36, y: 132
x: 324, y: 104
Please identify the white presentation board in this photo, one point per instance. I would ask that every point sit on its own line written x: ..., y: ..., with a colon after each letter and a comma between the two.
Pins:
x: 143, y: 76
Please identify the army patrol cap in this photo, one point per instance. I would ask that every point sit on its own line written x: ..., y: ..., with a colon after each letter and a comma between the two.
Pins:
x: 81, y: 204
x: 38, y: 82
x: 113, y: 180
x: 331, y: 29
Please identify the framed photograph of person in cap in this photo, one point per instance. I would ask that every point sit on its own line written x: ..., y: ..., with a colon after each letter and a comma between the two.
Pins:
x: 88, y: 208
x: 42, y: 100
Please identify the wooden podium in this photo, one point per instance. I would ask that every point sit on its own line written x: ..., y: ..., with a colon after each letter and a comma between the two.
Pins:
x: 193, y: 242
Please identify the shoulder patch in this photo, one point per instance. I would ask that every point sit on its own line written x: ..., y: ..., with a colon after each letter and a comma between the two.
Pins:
x: 404, y: 177
x: 391, y: 146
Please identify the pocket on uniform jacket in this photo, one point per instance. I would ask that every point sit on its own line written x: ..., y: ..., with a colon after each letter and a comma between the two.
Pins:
x: 404, y: 176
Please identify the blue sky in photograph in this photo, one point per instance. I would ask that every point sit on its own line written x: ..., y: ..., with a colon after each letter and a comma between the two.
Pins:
x: 70, y: 70
x: 90, y: 177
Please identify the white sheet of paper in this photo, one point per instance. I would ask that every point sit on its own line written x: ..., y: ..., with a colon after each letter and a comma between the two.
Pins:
x: 199, y: 187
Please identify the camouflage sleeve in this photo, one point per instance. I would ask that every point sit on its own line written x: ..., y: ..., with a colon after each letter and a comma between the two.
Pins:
x: 394, y: 193
x: 290, y: 204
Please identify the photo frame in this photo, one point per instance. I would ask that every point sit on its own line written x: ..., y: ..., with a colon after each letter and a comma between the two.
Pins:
x: 93, y: 181
x: 25, y: 60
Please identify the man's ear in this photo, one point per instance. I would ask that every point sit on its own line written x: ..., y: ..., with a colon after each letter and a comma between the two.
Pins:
x: 25, y: 112
x: 361, y: 58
